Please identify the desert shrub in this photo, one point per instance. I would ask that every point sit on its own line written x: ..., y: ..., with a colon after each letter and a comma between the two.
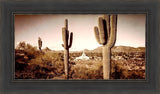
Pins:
x: 31, y: 52
x: 33, y: 64
x: 27, y: 49
x: 23, y: 54
x: 47, y: 49
x: 119, y: 71
x: 45, y: 66
x: 77, y: 54
x: 92, y: 54
x: 116, y: 70
x: 89, y: 70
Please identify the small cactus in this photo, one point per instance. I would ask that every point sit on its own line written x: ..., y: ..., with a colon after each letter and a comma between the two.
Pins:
x: 39, y: 43
x: 67, y: 44
x: 106, y: 36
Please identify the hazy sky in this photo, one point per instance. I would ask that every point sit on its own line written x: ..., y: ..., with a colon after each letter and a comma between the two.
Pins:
x: 130, y: 30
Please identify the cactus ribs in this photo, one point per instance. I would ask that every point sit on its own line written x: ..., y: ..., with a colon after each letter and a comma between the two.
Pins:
x: 66, y: 46
x: 106, y: 36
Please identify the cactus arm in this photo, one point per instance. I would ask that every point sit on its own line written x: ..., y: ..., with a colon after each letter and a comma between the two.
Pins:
x: 107, y: 19
x: 101, y: 31
x: 96, y: 33
x: 112, y: 37
x: 71, y: 39
x: 62, y: 45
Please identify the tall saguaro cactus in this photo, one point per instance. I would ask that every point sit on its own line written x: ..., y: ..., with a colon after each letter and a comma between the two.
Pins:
x: 106, y: 36
x: 67, y: 44
x: 39, y: 43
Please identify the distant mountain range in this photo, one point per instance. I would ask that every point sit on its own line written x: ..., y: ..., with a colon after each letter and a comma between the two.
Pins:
x: 114, y: 49
x: 121, y: 49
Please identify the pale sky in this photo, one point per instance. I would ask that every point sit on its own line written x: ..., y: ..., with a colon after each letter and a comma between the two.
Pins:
x: 130, y: 30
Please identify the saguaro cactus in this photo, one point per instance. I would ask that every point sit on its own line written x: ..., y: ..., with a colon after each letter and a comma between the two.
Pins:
x: 39, y: 43
x: 106, y: 36
x: 67, y: 44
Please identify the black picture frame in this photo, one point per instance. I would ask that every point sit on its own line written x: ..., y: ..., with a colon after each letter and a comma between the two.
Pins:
x: 150, y: 85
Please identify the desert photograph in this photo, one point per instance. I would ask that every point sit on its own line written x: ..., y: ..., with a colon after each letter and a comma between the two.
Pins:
x: 79, y: 46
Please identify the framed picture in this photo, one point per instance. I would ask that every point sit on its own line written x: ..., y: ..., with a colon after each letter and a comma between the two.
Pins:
x: 74, y: 47
x: 86, y: 56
